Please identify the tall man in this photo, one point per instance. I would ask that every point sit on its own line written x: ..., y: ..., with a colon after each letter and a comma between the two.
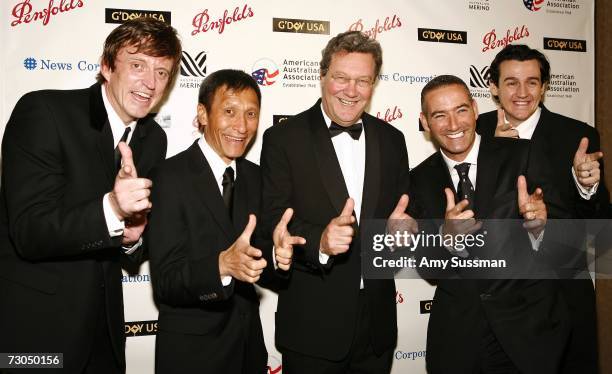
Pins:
x: 484, y: 326
x: 66, y: 211
x: 202, y: 263
x: 335, y: 165
x: 518, y: 83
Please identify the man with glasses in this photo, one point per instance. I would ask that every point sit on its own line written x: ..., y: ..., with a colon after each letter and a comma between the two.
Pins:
x: 335, y: 165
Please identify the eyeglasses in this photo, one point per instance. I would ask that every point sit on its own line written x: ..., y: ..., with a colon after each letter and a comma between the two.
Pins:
x: 343, y: 81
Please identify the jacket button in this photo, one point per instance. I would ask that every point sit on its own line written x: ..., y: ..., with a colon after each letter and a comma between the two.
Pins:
x: 485, y: 296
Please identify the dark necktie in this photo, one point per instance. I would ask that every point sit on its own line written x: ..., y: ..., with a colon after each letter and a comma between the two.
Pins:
x: 465, y: 189
x: 354, y: 130
x: 228, y: 189
x: 117, y: 153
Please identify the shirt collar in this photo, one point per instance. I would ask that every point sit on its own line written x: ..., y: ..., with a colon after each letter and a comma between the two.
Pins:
x: 471, y: 158
x: 117, y: 125
x: 328, y: 120
x: 215, y: 161
x: 527, y: 127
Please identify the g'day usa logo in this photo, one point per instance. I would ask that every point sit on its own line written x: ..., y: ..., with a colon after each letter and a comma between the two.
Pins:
x: 122, y: 15
x: 533, y: 5
x: 140, y: 328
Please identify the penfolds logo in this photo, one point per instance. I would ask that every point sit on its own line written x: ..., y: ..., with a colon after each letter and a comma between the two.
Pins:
x: 491, y: 41
x: 24, y: 12
x: 399, y: 298
x: 378, y: 28
x: 203, y: 23
x: 391, y: 114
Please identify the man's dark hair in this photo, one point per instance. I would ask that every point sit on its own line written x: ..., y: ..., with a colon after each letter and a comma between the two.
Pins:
x: 149, y: 36
x: 519, y: 52
x: 442, y: 81
x: 236, y: 80
x: 351, y: 41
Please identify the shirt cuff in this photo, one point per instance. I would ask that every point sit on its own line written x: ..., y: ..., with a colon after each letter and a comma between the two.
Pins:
x: 323, y: 258
x: 536, y: 242
x: 585, y: 193
x: 463, y: 253
x: 226, y: 280
x: 274, y: 258
x: 128, y: 250
x: 113, y: 224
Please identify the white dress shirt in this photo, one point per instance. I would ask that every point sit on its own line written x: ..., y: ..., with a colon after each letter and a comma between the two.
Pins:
x: 218, y: 166
x: 113, y: 224
x: 351, y: 157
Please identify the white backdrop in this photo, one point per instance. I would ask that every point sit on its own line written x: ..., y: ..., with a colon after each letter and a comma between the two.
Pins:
x: 57, y: 44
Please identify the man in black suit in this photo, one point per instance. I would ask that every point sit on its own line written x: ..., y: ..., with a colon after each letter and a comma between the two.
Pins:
x: 484, y: 325
x: 206, y: 201
x: 66, y: 211
x: 335, y: 165
x: 518, y: 83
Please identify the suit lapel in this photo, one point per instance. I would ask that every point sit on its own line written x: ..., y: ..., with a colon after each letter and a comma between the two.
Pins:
x: 99, y: 122
x: 372, y: 177
x: 207, y: 190
x: 241, y: 190
x: 326, y: 159
x: 439, y: 177
x: 486, y: 179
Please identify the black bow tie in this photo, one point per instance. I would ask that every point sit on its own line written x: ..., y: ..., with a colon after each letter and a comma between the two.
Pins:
x: 354, y: 130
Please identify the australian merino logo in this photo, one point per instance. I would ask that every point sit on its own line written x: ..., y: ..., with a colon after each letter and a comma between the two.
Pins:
x: 572, y: 45
x: 122, y: 15
x: 442, y: 36
x: 302, y: 26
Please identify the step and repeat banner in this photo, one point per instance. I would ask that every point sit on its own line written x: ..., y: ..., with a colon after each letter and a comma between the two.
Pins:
x: 57, y: 44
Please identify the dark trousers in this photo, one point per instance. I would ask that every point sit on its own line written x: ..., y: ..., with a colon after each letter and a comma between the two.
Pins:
x: 361, y: 358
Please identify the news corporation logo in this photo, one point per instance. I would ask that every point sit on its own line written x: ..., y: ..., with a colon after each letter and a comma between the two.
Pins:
x: 479, y: 81
x: 265, y: 72
x: 192, y: 70
x: 32, y: 63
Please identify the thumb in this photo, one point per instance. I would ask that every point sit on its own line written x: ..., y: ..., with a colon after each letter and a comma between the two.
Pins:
x: 348, y: 207
x: 523, y: 195
x: 450, y: 198
x: 127, y: 162
x: 248, y: 230
x: 401, y: 206
x: 582, y: 149
x: 284, y: 221
x: 501, y: 119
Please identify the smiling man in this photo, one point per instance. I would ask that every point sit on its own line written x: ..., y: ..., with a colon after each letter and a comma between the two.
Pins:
x: 484, y: 325
x: 203, y: 250
x: 68, y: 205
x: 519, y: 79
x: 336, y: 166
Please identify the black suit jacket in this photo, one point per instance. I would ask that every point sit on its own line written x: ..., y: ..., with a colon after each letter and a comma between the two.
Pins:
x: 528, y: 316
x: 58, y: 264
x: 202, y: 325
x: 558, y: 137
x: 317, y: 311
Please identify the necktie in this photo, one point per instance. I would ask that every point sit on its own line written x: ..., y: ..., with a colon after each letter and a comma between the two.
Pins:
x: 354, y: 130
x: 465, y: 189
x: 117, y: 153
x: 228, y: 189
